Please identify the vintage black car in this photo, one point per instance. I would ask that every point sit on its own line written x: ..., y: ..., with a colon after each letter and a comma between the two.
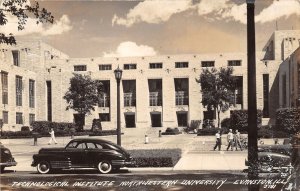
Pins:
x: 6, y: 159
x: 272, y: 162
x: 83, y: 153
x: 281, y: 149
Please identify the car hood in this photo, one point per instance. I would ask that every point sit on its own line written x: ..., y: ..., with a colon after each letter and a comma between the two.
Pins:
x: 47, y: 150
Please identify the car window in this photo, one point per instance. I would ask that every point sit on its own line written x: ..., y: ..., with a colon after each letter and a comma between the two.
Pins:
x: 99, y: 146
x: 72, y: 145
x: 81, y: 146
x: 266, y: 158
x: 91, y: 146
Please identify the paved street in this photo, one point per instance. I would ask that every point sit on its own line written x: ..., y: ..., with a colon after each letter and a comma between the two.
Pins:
x: 196, y: 150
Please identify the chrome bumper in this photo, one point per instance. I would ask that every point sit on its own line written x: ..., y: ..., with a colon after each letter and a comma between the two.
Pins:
x: 123, y: 163
x: 11, y: 162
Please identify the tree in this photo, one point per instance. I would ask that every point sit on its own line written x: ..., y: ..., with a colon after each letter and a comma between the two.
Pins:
x: 83, y: 95
x: 22, y: 10
x: 217, y: 88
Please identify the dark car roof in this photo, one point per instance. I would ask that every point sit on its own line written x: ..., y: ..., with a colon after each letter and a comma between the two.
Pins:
x: 92, y: 140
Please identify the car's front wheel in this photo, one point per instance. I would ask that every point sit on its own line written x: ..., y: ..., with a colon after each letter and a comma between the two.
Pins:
x: 43, y: 167
x: 104, y: 167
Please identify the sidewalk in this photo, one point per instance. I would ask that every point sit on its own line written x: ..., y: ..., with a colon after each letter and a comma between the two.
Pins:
x: 197, y: 151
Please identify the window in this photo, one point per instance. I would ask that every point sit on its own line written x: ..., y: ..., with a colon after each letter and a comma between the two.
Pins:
x: 207, y: 63
x: 4, y: 82
x: 81, y: 146
x: 72, y: 145
x: 104, y: 92
x: 31, y: 118
x: 91, y: 146
x: 105, y: 67
x: 19, y: 87
x: 129, y: 92
x: 16, y: 57
x: 104, y: 116
x: 31, y: 94
x: 155, y: 65
x: 181, y: 91
x: 104, y: 100
x: 154, y: 99
x: 129, y: 99
x: 49, y: 100
x: 5, y: 117
x: 181, y: 98
x: 155, y: 92
x: 234, y: 62
x: 284, y: 90
x: 266, y: 95
x: 181, y: 64
x: 80, y: 68
x: 19, y: 118
x: 129, y: 66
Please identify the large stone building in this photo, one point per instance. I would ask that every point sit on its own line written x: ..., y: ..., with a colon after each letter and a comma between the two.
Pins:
x: 158, y: 91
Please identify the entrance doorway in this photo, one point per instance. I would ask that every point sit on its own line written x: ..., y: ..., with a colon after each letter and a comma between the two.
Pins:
x: 130, y: 120
x: 155, y: 119
x: 182, y: 119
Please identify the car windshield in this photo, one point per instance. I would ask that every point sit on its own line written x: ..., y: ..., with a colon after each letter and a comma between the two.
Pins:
x: 72, y: 145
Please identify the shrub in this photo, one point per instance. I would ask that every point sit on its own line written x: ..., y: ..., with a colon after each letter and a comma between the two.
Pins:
x: 103, y: 133
x: 156, y: 157
x: 171, y: 131
x: 267, y: 132
x: 207, y: 131
x: 288, y: 119
x: 44, y: 127
x: 239, y: 120
x: 25, y: 128
x: 195, y: 124
x: 154, y: 162
x: 16, y: 134
x: 226, y: 123
x: 96, y: 126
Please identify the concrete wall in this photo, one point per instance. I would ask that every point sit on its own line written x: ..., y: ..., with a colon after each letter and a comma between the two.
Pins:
x: 42, y: 63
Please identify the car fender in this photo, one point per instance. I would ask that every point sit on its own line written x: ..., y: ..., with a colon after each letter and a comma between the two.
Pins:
x: 47, y: 157
x: 108, y: 156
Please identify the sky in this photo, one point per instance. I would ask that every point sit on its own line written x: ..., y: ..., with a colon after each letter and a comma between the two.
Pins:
x: 101, y: 28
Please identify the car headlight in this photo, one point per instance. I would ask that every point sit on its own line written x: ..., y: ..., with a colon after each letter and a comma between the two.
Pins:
x: 7, y: 152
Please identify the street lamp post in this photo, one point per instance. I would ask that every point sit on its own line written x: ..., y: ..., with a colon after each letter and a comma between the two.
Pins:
x: 252, y: 106
x: 118, y: 75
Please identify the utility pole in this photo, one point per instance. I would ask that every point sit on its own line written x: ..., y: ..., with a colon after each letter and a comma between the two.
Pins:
x: 252, y: 106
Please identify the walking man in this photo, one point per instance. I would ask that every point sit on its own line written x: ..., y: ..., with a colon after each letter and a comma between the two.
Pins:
x: 237, y: 140
x: 218, y: 141
x: 52, y: 137
x: 230, y: 139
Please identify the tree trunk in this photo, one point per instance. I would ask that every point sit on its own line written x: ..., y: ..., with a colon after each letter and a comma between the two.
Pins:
x: 218, y: 111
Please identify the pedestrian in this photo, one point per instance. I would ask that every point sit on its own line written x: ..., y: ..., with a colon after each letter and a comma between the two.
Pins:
x: 230, y: 139
x: 218, y: 141
x: 237, y: 140
x: 52, y: 137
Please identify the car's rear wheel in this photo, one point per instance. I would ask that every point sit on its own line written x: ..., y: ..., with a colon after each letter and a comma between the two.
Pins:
x: 104, y: 167
x: 43, y: 167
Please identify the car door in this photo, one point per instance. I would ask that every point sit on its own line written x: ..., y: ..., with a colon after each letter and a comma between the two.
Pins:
x: 93, y: 151
x: 78, y: 155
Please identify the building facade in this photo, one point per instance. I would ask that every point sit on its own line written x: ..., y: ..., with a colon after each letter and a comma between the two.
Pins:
x: 156, y: 92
